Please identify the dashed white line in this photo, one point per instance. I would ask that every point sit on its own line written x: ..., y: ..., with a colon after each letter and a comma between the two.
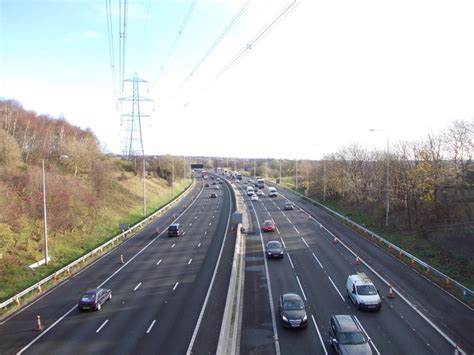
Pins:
x: 291, y: 262
x: 269, y: 214
x: 304, y: 241
x: 137, y: 286
x: 199, y: 245
x: 213, y: 216
x: 190, y: 224
x: 301, y: 287
x: 103, y: 325
x: 319, y: 335
x: 175, y: 285
x: 210, y: 223
x: 189, y: 262
x: 159, y: 262
x: 316, y: 258
x: 173, y: 245
x: 283, y: 242
x: 278, y: 231
x: 205, y: 233
x: 151, y: 326
x: 343, y: 300
x: 297, y: 231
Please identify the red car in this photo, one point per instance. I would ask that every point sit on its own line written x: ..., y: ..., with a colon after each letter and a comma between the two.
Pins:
x: 268, y: 226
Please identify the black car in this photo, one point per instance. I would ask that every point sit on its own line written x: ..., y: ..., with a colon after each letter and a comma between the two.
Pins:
x: 274, y: 249
x: 292, y: 311
x: 289, y: 206
x: 175, y: 230
x: 347, y: 337
x: 94, y: 299
x: 213, y: 195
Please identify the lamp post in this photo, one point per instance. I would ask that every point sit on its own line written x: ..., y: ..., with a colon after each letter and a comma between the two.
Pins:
x: 45, y: 215
x: 387, y: 177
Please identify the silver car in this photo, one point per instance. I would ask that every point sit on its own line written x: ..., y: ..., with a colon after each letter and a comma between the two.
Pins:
x: 347, y: 337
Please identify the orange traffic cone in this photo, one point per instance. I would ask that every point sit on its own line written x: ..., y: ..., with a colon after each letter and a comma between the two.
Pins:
x: 447, y: 283
x: 357, y: 261
x: 391, y: 294
x: 456, y: 350
x: 39, y: 289
x: 321, y: 225
x: 17, y: 301
x: 38, y: 326
x: 334, y: 242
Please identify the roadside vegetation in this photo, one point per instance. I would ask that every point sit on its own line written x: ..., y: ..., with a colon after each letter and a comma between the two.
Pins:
x: 88, y: 193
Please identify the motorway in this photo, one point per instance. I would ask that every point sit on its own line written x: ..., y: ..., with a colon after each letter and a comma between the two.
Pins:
x: 168, y: 296
x: 317, y: 268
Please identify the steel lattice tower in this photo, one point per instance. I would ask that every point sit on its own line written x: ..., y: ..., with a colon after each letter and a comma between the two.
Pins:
x: 132, y: 138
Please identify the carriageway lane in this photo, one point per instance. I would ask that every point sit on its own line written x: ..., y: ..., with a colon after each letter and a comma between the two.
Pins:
x: 323, y: 265
x: 17, y: 329
x: 139, y: 290
x: 443, y: 309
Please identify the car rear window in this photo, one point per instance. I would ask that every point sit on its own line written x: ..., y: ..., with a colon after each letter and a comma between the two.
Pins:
x: 87, y: 297
x: 173, y: 228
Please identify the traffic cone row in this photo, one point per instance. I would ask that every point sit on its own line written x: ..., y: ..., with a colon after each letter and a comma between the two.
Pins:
x: 334, y: 242
x: 357, y: 261
x: 391, y: 294
x: 40, y: 290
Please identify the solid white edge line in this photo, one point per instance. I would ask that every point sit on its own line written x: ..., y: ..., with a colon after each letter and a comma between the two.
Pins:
x: 103, y: 325
x: 316, y: 258
x: 367, y: 335
x: 151, y: 326
x: 175, y: 285
x: 319, y: 335
x: 203, y: 309
x: 304, y: 241
x: 270, y: 295
x: 301, y: 287
x: 343, y: 299
x: 137, y: 286
x: 44, y: 332
x: 291, y: 261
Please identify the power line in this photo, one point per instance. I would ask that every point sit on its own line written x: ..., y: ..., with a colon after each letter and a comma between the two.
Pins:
x: 285, y: 11
x: 108, y: 10
x: 176, y: 39
x: 216, y: 43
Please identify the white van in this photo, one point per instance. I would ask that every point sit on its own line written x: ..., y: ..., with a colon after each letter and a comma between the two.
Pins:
x: 363, y: 292
x: 272, y: 192
x: 249, y: 190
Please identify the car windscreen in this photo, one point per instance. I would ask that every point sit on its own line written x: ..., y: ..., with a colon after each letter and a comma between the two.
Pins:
x: 292, y: 305
x: 366, y: 290
x: 352, y: 338
x: 268, y: 224
x: 88, y: 297
x: 274, y: 245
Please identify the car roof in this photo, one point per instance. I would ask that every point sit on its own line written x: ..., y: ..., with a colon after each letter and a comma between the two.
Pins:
x: 274, y: 242
x: 346, y: 323
x: 268, y: 221
x: 291, y: 297
x: 176, y: 225
x: 93, y: 290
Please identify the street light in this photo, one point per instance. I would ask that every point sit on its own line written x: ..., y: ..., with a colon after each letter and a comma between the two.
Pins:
x: 45, y: 215
x: 387, y: 177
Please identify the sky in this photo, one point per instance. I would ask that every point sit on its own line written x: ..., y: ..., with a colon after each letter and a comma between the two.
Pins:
x: 321, y: 79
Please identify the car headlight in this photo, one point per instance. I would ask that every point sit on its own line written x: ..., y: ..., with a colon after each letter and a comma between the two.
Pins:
x: 281, y: 252
x: 305, y: 318
x: 284, y: 318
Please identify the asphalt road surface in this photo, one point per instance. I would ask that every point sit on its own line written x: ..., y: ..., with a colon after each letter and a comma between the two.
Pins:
x: 317, y: 269
x: 163, y: 302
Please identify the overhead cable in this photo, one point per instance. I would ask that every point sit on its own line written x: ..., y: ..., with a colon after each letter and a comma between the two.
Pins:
x: 176, y: 39
x: 110, y: 36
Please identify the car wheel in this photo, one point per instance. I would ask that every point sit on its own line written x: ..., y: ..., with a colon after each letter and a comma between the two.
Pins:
x: 98, y: 306
x: 357, y: 305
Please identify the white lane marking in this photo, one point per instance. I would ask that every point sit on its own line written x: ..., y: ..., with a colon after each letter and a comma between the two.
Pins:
x: 278, y: 231
x: 201, y: 315
x: 304, y: 241
x: 289, y: 221
x: 316, y: 258
x: 103, y: 325
x: 195, y: 217
x: 173, y: 245
x: 210, y: 223
x: 269, y: 214
x: 159, y: 262
x: 301, y: 287
x: 283, y: 242
x: 343, y: 300
x: 199, y: 245
x: 175, y: 285
x: 367, y: 335
x: 297, y: 231
x: 189, y: 262
x: 289, y: 259
x: 284, y: 214
x: 151, y: 326
x: 190, y: 224
x: 319, y: 335
x: 137, y: 286
x: 205, y: 233
x: 213, y: 216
